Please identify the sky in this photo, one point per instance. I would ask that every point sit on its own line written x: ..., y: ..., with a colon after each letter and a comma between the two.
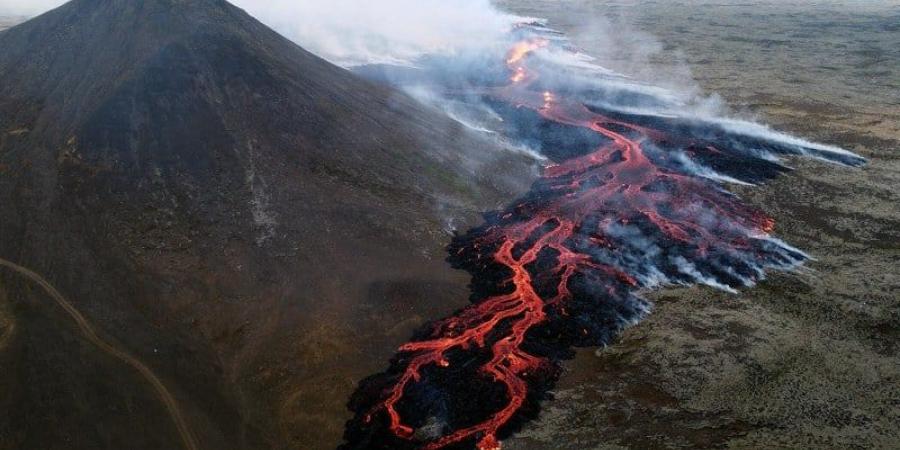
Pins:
x: 27, y: 7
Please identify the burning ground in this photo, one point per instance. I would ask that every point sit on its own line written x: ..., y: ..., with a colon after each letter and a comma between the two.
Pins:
x: 805, y: 360
x: 634, y: 198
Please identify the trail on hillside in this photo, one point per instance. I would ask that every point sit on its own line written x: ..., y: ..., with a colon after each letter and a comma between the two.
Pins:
x: 87, y: 330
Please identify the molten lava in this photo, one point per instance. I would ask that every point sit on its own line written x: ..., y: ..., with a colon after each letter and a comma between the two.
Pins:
x: 519, y: 51
x: 561, y: 267
x: 517, y: 55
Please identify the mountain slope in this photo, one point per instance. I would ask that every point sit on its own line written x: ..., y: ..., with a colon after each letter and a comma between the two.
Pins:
x: 238, y: 213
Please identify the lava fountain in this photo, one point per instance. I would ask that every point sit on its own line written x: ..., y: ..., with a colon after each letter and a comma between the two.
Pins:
x: 635, y: 199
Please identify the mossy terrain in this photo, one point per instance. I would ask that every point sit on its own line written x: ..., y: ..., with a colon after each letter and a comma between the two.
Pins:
x: 806, y: 359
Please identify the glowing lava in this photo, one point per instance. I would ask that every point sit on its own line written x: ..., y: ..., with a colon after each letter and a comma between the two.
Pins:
x: 519, y: 51
x: 561, y: 267
x: 518, y: 54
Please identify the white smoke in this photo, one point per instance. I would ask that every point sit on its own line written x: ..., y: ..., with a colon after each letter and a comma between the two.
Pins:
x: 400, y: 32
x: 352, y: 32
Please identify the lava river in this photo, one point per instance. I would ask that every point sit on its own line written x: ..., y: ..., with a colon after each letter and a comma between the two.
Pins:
x: 633, y: 200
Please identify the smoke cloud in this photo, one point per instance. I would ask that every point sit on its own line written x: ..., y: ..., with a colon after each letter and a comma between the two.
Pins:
x: 462, y: 40
x: 350, y: 32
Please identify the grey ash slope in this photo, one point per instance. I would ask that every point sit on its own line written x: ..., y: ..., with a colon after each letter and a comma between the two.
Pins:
x: 248, y: 219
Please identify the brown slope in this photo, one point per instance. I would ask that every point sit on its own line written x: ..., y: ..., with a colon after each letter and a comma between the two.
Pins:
x: 257, y: 226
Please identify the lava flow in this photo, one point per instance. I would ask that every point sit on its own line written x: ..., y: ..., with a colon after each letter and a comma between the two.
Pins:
x: 633, y: 201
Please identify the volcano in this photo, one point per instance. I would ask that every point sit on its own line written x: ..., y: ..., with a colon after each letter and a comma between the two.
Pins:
x: 229, y: 215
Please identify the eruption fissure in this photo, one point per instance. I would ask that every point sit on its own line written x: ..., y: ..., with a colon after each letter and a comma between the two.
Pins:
x: 561, y: 267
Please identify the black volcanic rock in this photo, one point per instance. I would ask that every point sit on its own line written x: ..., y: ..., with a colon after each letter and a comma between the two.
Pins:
x: 257, y: 225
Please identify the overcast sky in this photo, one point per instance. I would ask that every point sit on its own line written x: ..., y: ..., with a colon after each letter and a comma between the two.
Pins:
x: 27, y: 7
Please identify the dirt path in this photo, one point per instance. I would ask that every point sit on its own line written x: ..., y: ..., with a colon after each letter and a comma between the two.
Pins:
x: 88, y: 332
x: 8, y: 326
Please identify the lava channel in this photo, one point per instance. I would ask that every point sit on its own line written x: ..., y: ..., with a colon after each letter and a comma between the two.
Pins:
x: 561, y: 267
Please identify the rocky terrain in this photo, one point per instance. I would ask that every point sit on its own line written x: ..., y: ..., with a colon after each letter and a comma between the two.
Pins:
x: 805, y: 360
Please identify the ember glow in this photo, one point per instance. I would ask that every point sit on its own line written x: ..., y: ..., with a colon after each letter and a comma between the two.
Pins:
x: 518, y: 53
x: 635, y: 199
